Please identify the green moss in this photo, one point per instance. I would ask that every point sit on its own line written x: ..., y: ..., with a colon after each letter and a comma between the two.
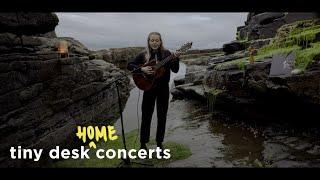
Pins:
x: 302, y: 39
x: 297, y: 27
x: 229, y: 63
x: 261, y: 56
x: 306, y: 57
x: 300, y: 33
x: 215, y: 91
x: 242, y: 65
x: 239, y: 39
x: 299, y: 37
x: 212, y: 96
x: 270, y: 51
x: 177, y: 151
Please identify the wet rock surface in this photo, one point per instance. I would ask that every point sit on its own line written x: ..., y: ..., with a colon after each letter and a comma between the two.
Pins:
x: 263, y: 119
x: 217, y: 141
x: 253, y: 91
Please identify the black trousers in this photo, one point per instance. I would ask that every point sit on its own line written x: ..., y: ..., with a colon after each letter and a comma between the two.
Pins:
x: 160, y: 95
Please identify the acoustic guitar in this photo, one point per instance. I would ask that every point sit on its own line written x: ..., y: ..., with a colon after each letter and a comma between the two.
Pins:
x: 146, y: 81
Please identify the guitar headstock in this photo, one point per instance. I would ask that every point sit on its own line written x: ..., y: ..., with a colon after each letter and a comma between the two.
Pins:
x: 184, y: 48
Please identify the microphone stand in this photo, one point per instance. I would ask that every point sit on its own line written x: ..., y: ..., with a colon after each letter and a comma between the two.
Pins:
x: 125, y: 161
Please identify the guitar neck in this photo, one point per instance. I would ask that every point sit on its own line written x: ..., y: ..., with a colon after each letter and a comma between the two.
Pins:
x: 163, y: 62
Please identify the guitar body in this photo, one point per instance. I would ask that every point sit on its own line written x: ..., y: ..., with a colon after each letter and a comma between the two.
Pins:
x: 145, y: 81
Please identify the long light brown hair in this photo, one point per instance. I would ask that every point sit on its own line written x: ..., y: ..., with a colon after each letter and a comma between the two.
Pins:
x: 148, y: 49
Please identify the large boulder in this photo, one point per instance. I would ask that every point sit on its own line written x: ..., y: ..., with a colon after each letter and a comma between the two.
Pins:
x: 75, y: 46
x: 232, y: 47
x: 27, y: 32
x: 195, y: 74
x: 253, y: 94
x: 265, y: 25
x: 189, y: 91
x: 42, y: 101
x: 28, y: 23
x: 118, y: 56
x: 43, y: 97
x: 10, y: 43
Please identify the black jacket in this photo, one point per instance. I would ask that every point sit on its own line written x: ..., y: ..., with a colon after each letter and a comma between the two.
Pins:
x: 172, y: 65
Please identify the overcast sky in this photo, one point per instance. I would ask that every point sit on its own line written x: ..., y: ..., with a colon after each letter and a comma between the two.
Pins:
x: 113, y: 30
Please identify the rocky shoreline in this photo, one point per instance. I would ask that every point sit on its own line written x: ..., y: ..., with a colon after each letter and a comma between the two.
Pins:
x: 43, y: 96
x: 230, y: 83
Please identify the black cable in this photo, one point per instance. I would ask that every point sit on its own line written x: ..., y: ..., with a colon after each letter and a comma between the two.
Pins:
x: 138, y: 119
x: 126, y: 161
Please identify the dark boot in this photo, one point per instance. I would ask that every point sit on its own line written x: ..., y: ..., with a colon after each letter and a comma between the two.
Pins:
x: 159, y: 144
x: 143, y: 146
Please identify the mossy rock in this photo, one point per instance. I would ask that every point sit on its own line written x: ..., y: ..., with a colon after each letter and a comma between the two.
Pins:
x: 212, y: 95
x: 301, y: 33
x: 302, y: 37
